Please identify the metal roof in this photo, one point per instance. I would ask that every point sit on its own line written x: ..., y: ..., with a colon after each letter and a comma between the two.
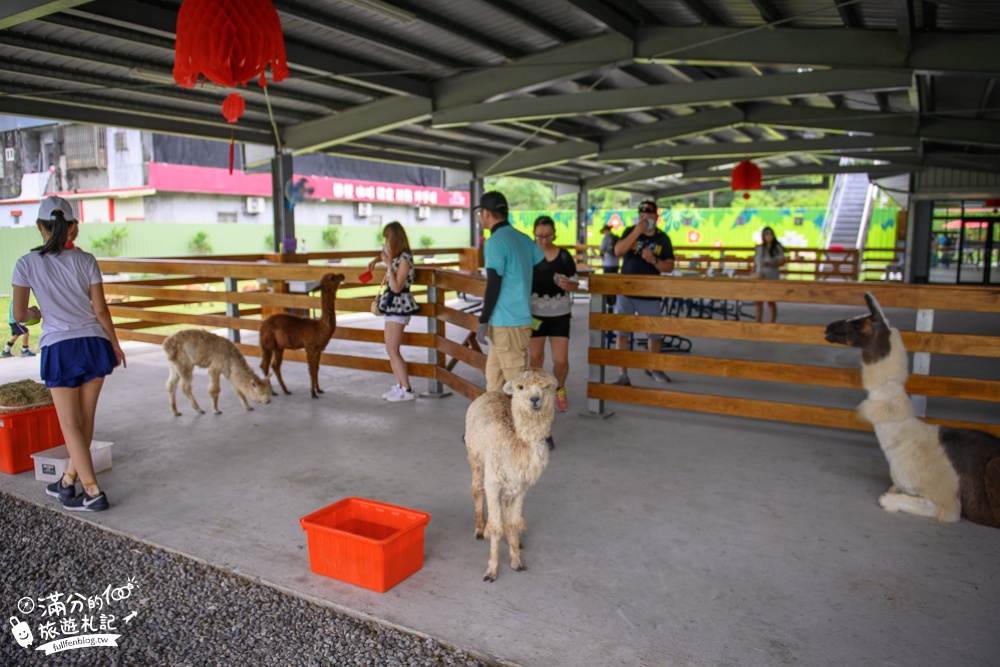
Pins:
x: 653, y: 96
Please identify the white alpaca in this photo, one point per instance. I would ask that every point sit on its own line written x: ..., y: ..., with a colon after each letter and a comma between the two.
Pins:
x: 505, y: 435
x: 195, y: 347
x: 936, y: 471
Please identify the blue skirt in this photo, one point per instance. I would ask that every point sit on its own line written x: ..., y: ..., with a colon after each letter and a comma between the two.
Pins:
x: 71, y: 363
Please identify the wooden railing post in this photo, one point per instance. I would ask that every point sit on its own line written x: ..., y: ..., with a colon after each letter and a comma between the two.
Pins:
x: 435, y: 327
x: 595, y: 372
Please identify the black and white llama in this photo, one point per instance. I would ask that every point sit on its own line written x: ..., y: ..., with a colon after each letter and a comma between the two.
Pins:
x: 936, y: 471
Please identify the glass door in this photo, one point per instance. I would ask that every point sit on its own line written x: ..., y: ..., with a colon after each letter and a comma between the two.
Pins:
x: 977, y: 252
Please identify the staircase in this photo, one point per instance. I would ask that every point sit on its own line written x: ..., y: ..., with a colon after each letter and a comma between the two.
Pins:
x: 849, y: 208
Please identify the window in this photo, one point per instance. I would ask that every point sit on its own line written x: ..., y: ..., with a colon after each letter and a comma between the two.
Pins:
x: 375, y: 220
x: 121, y: 142
x: 334, y: 219
x: 227, y: 216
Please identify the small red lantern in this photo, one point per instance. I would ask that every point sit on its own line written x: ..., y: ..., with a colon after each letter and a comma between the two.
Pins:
x: 229, y: 42
x: 993, y: 203
x: 746, y: 176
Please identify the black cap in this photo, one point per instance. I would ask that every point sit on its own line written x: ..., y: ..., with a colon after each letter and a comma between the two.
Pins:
x: 493, y: 201
x: 647, y: 206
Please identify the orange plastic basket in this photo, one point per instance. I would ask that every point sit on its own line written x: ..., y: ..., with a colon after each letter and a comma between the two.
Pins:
x: 366, y: 543
x: 25, y: 433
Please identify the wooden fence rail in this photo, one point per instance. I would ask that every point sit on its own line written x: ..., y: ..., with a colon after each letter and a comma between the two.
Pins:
x: 924, y: 299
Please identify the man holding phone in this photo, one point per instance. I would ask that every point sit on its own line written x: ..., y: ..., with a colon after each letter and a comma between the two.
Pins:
x: 645, y: 250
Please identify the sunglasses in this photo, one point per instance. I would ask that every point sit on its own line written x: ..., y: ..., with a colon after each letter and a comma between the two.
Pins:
x: 544, y: 237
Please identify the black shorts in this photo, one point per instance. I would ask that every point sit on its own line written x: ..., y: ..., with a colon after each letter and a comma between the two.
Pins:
x: 17, y: 329
x: 557, y: 327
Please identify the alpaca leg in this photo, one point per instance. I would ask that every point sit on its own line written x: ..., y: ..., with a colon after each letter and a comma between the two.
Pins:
x: 478, y: 497
x: 513, y: 526
x: 213, y: 388
x: 186, y: 375
x: 243, y: 399
x: 172, y: 389
x: 313, y: 360
x: 901, y: 502
x: 276, y: 365
x: 494, y: 530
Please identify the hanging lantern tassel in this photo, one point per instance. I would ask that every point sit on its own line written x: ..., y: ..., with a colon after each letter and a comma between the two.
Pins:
x: 232, y: 109
x: 746, y: 176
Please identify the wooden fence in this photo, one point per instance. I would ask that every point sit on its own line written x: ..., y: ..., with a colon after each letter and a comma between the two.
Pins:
x: 780, y: 337
x: 449, y: 337
x: 815, y: 264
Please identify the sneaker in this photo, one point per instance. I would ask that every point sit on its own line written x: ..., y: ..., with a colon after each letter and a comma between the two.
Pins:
x: 659, y: 376
x: 84, y: 503
x: 63, y: 493
x: 561, y: 402
x: 25, y: 352
x: 393, y: 390
x: 5, y: 354
x: 623, y: 381
x: 402, y: 395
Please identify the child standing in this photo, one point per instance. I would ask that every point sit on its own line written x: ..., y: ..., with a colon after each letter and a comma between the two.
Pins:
x: 78, y: 342
x: 17, y: 330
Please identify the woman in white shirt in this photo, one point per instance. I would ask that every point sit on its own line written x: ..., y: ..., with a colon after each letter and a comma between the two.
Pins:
x: 768, y: 259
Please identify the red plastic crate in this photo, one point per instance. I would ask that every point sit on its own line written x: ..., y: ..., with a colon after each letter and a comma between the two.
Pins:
x: 25, y: 433
x: 366, y: 543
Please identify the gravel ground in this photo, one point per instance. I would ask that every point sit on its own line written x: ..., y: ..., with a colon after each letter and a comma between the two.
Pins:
x: 187, y: 613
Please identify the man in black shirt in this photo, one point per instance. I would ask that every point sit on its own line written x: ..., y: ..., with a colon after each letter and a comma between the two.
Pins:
x: 645, y: 250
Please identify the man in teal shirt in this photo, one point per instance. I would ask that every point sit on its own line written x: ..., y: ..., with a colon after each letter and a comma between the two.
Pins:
x: 506, y: 317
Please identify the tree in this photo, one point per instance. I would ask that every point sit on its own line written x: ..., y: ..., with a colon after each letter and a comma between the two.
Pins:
x: 199, y: 243
x: 110, y: 244
x: 331, y: 236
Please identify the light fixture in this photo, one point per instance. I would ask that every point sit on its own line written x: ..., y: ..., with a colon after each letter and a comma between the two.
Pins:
x: 383, y: 9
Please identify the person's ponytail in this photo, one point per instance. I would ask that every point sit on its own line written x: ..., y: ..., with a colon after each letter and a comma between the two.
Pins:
x: 58, y: 227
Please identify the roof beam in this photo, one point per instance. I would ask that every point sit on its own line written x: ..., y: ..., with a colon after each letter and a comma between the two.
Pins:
x: 83, y: 109
x: 535, y: 158
x: 650, y: 172
x: 357, y: 122
x: 573, y: 59
x: 718, y: 91
x: 878, y: 170
x: 607, y: 15
x: 860, y: 49
x: 904, y: 24
x: 768, y: 11
x: 673, y: 128
x: 825, y: 145
x: 13, y: 12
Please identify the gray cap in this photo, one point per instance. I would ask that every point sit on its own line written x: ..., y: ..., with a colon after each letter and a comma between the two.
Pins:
x: 52, y: 204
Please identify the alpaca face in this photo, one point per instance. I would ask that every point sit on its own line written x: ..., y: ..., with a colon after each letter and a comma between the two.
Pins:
x: 331, y: 280
x: 535, y: 388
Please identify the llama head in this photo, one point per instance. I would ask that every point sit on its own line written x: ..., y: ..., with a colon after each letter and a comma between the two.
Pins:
x: 533, y: 390
x: 871, y: 333
x: 330, y: 281
x: 260, y: 390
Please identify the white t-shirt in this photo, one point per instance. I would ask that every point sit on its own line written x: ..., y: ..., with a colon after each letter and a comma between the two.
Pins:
x: 61, y: 284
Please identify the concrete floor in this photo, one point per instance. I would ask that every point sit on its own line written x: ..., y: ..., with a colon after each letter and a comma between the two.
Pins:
x: 654, y: 537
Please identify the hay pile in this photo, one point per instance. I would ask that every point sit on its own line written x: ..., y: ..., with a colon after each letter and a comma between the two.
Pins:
x: 22, y: 395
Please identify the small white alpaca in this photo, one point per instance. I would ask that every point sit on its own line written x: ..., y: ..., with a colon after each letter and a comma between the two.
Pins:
x: 195, y: 347
x: 936, y: 471
x: 505, y: 435
x: 290, y: 332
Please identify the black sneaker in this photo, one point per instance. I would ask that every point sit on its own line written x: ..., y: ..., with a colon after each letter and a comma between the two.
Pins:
x: 63, y: 493
x: 659, y: 376
x: 84, y: 503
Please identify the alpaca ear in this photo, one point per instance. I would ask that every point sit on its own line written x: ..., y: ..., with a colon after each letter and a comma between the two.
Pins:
x: 508, y: 388
x: 878, y: 316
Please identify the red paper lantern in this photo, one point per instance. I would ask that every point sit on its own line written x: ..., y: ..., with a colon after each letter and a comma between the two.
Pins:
x: 993, y: 203
x: 229, y: 42
x: 233, y: 106
x: 746, y: 176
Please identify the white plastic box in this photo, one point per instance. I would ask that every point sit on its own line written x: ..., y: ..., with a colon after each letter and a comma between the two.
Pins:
x: 51, y: 463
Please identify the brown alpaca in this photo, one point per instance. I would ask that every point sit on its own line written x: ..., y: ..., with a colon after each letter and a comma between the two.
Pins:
x: 290, y: 332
